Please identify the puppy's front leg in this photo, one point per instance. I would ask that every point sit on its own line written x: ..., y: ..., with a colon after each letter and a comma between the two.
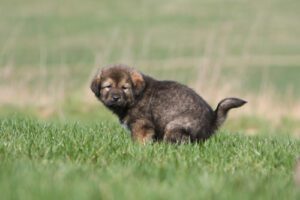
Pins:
x: 142, y: 131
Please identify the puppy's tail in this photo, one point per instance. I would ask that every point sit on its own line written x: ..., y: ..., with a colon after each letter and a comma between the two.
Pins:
x: 223, y: 107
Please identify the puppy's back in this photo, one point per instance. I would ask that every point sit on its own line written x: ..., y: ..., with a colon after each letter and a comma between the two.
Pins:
x: 173, y: 103
x: 170, y: 100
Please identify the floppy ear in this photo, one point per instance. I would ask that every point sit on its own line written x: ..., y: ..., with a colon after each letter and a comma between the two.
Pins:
x: 138, y: 81
x: 95, y: 85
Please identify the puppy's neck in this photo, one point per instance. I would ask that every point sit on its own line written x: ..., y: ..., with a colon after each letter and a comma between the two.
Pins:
x: 121, y: 112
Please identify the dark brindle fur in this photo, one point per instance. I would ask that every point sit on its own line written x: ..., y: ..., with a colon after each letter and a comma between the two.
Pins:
x: 158, y: 110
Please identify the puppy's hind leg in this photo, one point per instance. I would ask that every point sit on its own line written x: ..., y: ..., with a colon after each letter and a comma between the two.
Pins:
x: 176, y: 136
x: 176, y: 132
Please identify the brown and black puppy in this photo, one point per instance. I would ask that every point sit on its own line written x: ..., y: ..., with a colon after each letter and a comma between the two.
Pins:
x: 158, y: 110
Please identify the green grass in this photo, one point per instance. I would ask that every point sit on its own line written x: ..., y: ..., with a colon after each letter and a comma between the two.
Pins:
x: 52, y: 160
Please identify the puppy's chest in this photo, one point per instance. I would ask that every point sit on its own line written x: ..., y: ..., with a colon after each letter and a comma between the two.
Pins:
x: 124, y: 122
x: 134, y: 115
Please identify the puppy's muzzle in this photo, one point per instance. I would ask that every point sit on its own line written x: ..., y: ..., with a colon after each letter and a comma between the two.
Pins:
x: 115, y: 98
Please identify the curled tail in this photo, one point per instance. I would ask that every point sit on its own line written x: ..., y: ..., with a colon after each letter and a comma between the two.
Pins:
x: 223, y: 107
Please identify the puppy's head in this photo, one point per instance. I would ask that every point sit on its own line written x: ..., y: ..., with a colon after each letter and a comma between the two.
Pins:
x: 117, y: 86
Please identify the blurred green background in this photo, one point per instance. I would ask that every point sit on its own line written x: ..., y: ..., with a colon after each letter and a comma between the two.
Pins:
x: 46, y: 43
x: 49, y: 51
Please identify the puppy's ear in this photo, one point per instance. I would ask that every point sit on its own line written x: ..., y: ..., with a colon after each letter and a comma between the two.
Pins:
x: 95, y: 85
x: 138, y: 81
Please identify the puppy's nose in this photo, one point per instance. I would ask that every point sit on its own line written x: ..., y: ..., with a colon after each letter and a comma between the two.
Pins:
x: 115, y: 97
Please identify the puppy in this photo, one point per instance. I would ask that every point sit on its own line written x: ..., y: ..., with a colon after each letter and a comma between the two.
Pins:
x: 156, y: 110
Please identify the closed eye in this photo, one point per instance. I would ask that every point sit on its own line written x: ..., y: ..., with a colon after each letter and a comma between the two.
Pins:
x: 125, y: 87
x: 106, y: 86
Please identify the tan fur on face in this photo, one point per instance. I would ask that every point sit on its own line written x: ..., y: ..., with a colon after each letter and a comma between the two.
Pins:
x: 105, y: 86
x: 107, y: 82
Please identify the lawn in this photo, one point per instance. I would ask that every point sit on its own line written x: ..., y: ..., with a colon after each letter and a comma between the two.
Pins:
x: 53, y: 160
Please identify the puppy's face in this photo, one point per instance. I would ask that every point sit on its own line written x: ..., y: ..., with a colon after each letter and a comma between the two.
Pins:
x: 117, y: 86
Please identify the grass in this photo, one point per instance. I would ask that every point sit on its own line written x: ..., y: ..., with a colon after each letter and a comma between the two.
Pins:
x: 52, y: 160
